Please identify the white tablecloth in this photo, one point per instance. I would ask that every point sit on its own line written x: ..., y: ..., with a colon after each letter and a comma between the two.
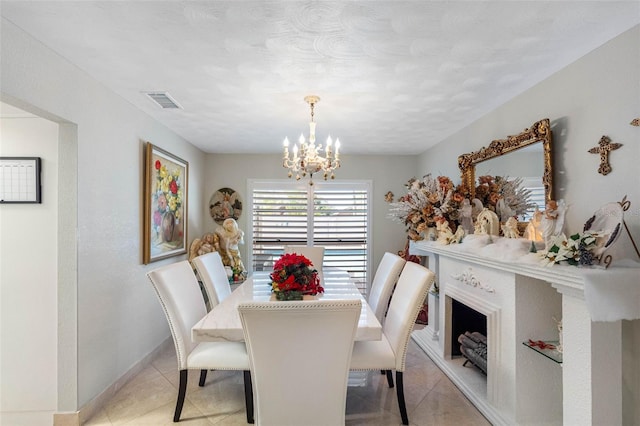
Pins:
x: 223, y: 322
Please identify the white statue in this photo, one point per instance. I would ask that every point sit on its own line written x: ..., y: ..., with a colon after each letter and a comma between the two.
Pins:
x: 445, y: 234
x: 510, y: 228
x: 458, y: 236
x: 552, y: 221
x: 466, y: 216
x: 532, y: 232
x: 504, y: 211
x: 477, y: 209
x: 230, y: 236
x: 487, y: 223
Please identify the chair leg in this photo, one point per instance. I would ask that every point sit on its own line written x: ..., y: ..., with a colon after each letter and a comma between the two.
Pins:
x: 389, y: 378
x: 400, y: 393
x: 182, y: 390
x: 203, y: 377
x: 248, y: 396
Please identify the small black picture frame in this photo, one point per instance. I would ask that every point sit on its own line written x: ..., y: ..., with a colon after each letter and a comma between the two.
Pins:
x: 20, y: 180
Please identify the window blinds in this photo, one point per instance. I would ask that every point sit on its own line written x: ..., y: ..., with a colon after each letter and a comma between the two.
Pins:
x: 333, y: 215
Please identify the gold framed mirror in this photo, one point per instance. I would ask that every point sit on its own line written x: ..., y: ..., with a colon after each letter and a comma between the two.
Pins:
x: 539, y: 132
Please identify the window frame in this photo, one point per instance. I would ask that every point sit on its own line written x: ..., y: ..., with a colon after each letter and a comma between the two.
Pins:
x: 358, y: 184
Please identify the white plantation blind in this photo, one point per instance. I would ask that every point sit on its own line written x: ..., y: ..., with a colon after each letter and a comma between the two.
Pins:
x: 536, y: 196
x: 334, y: 215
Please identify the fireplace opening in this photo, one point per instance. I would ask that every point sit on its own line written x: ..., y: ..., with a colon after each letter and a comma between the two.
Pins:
x: 468, y: 334
x: 464, y: 319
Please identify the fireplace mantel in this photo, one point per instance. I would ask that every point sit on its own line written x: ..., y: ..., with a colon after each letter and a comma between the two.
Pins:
x: 521, y: 298
x: 520, y: 261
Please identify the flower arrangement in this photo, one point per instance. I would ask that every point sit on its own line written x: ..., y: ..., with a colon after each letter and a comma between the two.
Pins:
x: 427, y: 201
x: 294, y: 276
x: 576, y: 250
x: 430, y: 201
x: 504, y: 196
x: 167, y: 195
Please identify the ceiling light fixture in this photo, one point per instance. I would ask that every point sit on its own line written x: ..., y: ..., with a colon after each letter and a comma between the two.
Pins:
x: 307, y: 159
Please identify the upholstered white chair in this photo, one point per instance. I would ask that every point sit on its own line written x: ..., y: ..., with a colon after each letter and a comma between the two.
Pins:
x: 390, y: 352
x: 315, y: 254
x: 179, y: 292
x: 385, y: 278
x: 214, y: 278
x: 300, y: 353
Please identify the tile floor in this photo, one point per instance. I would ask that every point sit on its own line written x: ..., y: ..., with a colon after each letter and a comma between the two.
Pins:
x: 150, y: 397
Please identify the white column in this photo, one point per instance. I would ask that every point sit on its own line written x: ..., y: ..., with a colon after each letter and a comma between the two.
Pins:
x: 433, y: 325
x: 592, y: 365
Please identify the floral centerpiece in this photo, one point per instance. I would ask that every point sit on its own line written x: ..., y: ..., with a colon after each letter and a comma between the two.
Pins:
x: 293, y: 276
x: 168, y: 198
x: 427, y: 201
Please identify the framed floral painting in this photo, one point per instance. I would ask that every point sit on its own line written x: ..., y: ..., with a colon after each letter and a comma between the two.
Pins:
x: 165, y: 204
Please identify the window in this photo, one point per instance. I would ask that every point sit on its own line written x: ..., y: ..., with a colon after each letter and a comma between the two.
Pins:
x: 534, y: 185
x: 331, y: 214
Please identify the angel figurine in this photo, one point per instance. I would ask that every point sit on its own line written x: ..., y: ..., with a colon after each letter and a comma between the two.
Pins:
x: 445, y: 234
x: 510, y: 228
x: 204, y: 245
x: 552, y: 221
x: 532, y: 232
x: 466, y: 216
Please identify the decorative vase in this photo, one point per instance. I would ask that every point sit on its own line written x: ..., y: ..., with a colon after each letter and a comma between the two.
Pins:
x: 293, y: 295
x: 168, y: 226
x: 289, y: 295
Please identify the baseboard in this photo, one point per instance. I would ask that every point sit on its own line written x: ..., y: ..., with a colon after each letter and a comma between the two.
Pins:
x: 66, y: 419
x: 89, y: 409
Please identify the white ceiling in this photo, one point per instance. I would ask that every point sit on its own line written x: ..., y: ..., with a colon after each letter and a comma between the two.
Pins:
x: 393, y: 76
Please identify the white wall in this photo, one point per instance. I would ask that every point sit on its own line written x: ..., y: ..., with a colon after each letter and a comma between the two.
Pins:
x: 28, y: 273
x: 597, y: 95
x: 119, y: 319
x: 388, y: 173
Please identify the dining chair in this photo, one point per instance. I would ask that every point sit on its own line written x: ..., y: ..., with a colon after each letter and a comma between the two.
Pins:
x: 386, y: 276
x: 179, y: 293
x: 214, y: 278
x: 299, y: 353
x: 390, y: 352
x: 315, y: 254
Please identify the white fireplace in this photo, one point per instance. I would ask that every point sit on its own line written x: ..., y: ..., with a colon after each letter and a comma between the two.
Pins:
x: 523, y: 302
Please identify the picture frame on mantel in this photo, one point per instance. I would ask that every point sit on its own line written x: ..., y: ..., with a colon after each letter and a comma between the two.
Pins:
x: 166, y: 183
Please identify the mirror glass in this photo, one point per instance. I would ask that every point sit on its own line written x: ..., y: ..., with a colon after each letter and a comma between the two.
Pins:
x: 526, y: 155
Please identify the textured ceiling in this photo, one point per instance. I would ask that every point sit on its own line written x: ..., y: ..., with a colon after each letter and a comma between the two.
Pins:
x: 393, y: 76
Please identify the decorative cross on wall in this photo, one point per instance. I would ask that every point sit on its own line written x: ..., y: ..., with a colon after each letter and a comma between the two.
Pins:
x: 604, y: 147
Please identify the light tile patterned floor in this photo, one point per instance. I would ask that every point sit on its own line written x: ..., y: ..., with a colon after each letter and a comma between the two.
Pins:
x: 150, y: 397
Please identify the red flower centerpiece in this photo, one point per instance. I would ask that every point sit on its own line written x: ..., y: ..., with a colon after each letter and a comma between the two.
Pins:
x: 293, y: 276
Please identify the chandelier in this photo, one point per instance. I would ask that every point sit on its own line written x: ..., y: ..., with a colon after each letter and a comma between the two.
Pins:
x: 307, y: 158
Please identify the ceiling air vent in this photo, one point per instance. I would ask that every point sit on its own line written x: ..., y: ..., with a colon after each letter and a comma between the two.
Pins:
x: 163, y: 99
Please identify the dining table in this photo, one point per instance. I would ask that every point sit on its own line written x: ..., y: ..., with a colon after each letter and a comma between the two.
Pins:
x: 223, y: 322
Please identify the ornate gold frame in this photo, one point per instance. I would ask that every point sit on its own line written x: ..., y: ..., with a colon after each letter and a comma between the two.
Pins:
x: 539, y: 131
